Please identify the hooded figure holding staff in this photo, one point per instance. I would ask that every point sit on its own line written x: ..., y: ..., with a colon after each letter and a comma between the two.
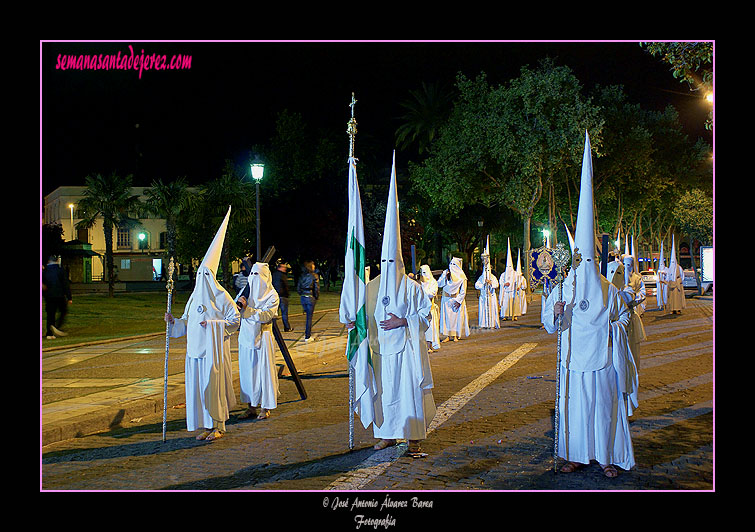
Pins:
x: 209, y: 319
x: 597, y: 389
x: 487, y: 314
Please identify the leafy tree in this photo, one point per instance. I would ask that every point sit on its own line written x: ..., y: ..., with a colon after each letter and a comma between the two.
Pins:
x: 691, y: 62
x: 426, y: 112
x: 108, y: 197
x: 693, y: 214
x: 168, y: 201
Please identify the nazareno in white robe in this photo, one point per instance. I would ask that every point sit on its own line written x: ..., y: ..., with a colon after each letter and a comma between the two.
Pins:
x: 430, y: 287
x: 404, y: 404
x: 488, y: 303
x: 208, y: 367
x: 510, y: 304
x: 258, y: 374
x: 598, y: 390
x: 676, y: 300
x: 453, y: 322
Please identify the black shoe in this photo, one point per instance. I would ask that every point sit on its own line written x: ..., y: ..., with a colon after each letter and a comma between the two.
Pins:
x: 288, y: 329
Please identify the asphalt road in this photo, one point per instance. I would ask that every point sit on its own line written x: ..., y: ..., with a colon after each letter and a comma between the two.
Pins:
x: 493, y: 431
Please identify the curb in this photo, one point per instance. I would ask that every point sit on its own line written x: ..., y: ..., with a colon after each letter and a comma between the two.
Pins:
x: 120, y: 416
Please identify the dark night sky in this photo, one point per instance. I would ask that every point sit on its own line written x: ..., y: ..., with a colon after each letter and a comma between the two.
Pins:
x: 190, y: 121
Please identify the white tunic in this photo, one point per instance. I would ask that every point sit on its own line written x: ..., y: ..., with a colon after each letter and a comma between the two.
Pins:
x: 453, y: 322
x: 676, y: 299
x: 404, y: 404
x: 258, y: 375
x: 433, y: 330
x: 510, y: 304
x: 209, y: 374
x: 488, y: 304
x: 597, y: 391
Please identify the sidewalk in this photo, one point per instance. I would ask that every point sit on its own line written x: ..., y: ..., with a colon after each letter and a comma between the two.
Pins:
x: 76, y: 372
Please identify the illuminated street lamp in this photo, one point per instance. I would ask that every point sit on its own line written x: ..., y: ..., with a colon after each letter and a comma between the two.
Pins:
x: 70, y: 206
x: 257, y: 168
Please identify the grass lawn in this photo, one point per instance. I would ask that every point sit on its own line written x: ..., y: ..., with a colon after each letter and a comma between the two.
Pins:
x: 98, y: 317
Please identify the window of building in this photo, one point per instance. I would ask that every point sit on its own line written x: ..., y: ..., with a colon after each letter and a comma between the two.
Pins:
x: 124, y: 238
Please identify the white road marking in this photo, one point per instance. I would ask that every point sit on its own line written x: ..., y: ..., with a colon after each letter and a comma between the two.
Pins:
x: 379, y: 461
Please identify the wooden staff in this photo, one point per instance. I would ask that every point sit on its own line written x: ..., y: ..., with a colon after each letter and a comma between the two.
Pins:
x: 169, y: 286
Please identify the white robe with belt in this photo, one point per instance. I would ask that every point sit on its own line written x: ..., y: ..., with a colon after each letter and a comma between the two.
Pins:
x: 598, y: 390
x: 404, y: 405
x: 209, y: 372
x: 488, y: 305
x: 453, y: 322
x: 432, y: 334
x: 258, y: 375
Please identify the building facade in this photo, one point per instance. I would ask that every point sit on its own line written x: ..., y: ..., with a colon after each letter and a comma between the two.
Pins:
x: 138, y: 252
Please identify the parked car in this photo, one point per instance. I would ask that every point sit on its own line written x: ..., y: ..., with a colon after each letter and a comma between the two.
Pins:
x: 650, y: 279
x: 690, y: 283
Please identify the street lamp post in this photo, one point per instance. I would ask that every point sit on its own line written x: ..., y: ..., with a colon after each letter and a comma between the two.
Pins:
x: 70, y: 206
x: 258, y: 169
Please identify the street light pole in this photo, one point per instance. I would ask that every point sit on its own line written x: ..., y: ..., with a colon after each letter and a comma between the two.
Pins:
x: 258, y: 169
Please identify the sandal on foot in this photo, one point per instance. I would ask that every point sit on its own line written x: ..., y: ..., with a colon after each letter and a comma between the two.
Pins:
x: 264, y: 414
x: 249, y: 412
x: 382, y: 444
x: 571, y: 467
x: 413, y: 447
x: 609, y: 471
x: 215, y: 435
x: 204, y: 435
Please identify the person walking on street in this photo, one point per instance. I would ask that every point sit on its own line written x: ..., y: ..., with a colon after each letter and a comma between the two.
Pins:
x: 280, y: 284
x: 57, y: 293
x: 308, y: 288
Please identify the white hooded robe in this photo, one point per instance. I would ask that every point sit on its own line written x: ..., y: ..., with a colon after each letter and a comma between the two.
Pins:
x: 258, y: 375
x: 453, y: 322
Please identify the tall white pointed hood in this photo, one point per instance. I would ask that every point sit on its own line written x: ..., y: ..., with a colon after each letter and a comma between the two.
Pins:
x: 672, y: 272
x: 392, y: 273
x: 571, y: 238
x: 211, y: 259
x: 209, y: 300
x: 661, y: 259
x: 636, y: 261
x: 587, y: 273
x: 585, y: 295
x: 509, y: 274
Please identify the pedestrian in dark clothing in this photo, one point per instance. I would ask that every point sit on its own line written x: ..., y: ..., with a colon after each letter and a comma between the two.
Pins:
x: 57, y: 294
x: 280, y: 284
x: 309, y: 291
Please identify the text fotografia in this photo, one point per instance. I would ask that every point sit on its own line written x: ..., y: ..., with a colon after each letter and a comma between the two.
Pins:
x: 358, y: 505
x: 125, y: 61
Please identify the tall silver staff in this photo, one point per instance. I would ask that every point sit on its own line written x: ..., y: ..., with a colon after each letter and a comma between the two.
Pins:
x: 351, y: 131
x: 169, y: 286
x: 560, y: 260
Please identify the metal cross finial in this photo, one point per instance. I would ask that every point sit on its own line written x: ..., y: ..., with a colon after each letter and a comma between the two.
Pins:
x: 351, y: 128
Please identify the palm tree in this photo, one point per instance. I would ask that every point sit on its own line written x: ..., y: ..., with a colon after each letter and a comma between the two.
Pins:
x: 234, y: 189
x: 426, y: 113
x: 109, y: 197
x: 168, y: 201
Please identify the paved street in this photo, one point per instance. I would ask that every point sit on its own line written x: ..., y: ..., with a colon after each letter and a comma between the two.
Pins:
x: 493, y: 431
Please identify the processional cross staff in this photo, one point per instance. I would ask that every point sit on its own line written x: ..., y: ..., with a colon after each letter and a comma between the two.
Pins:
x: 351, y: 131
x: 169, y: 286
x: 560, y: 259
